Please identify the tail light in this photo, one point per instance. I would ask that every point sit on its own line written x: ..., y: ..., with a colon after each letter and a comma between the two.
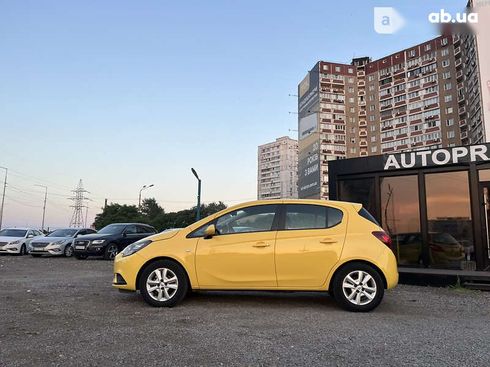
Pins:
x: 383, y: 237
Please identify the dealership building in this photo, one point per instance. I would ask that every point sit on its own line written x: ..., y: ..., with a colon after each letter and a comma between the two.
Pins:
x: 435, y: 204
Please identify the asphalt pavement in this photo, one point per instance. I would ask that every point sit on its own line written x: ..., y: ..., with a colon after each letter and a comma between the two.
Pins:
x: 64, y: 312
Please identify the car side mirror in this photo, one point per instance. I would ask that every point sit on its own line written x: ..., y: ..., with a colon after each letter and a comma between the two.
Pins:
x: 210, y: 231
x: 125, y: 234
x: 30, y: 236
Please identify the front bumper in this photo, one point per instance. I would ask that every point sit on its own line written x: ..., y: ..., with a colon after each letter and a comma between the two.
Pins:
x: 47, y: 250
x: 126, y: 271
x: 10, y: 249
x: 89, y: 250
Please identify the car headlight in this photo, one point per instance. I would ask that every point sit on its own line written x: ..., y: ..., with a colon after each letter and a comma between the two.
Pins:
x: 15, y: 242
x: 98, y: 242
x: 135, y: 247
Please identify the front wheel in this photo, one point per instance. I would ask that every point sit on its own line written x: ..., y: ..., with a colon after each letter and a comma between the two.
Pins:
x: 163, y: 284
x: 358, y: 287
x: 110, y: 251
x: 22, y: 250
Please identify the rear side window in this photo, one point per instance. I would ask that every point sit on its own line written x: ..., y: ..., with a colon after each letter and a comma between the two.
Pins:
x: 303, y: 216
x: 366, y: 215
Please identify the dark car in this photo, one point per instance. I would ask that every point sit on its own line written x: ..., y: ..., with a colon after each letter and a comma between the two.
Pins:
x: 110, y: 240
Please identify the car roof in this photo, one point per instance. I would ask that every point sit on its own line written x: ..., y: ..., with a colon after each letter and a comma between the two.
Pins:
x: 343, y: 204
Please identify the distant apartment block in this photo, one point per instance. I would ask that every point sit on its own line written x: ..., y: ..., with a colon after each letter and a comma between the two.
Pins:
x: 426, y: 96
x: 278, y: 169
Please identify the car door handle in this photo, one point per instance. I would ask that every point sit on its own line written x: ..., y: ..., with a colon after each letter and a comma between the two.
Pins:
x: 328, y: 241
x: 261, y: 244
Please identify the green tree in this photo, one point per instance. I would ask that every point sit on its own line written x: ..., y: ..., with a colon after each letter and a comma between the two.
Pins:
x: 151, y: 209
x: 117, y: 213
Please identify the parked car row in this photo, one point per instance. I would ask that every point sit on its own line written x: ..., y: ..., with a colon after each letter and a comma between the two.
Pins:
x: 80, y: 242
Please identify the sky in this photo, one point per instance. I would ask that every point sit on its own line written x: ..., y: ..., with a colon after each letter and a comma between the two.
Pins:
x: 126, y: 93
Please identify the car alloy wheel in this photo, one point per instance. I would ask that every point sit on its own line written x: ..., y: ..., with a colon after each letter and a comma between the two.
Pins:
x: 359, y: 288
x: 68, y: 250
x: 111, y: 252
x: 162, y: 284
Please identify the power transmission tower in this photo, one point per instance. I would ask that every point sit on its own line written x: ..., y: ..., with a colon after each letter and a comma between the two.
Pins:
x: 78, y: 198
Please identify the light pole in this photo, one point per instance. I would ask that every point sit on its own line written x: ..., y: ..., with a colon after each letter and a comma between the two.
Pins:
x: 143, y: 188
x: 44, y: 205
x: 3, y: 195
x: 198, y: 211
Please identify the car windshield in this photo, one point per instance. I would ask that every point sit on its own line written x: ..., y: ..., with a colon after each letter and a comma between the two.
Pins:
x: 67, y: 232
x: 13, y: 233
x: 112, y: 229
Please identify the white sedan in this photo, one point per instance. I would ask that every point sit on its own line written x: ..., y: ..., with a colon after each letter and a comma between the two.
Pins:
x: 16, y: 240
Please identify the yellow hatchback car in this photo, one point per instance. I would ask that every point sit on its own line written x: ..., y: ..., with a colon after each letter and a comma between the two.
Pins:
x: 293, y: 245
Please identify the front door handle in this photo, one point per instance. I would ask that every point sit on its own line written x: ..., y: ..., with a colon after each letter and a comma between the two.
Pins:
x: 328, y: 241
x: 261, y: 244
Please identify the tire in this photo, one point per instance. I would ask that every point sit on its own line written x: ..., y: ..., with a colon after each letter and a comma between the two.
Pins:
x: 80, y: 257
x: 68, y: 251
x: 111, y: 251
x: 22, y: 251
x: 164, y: 294
x: 358, y: 287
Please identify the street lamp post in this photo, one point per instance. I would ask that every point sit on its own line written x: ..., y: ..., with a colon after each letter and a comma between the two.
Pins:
x: 44, y: 205
x: 143, y: 188
x: 198, y: 211
x: 3, y: 195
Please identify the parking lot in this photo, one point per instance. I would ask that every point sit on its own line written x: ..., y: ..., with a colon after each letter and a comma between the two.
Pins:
x: 59, y: 311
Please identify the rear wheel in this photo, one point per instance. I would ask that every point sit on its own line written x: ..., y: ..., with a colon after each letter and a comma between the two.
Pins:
x: 110, y: 251
x: 22, y: 251
x: 163, y: 283
x: 358, y: 287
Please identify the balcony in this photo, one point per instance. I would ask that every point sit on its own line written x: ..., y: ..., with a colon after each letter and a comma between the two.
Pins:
x: 457, y: 50
x: 458, y: 63
x: 462, y: 110
x: 362, y: 123
x: 459, y: 75
x: 462, y: 123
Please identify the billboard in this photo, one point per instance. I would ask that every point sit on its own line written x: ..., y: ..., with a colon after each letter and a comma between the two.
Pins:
x: 307, y: 126
x: 308, y: 93
x: 309, y: 170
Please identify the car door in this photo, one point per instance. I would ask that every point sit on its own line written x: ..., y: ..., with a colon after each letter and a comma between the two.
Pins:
x: 130, y: 235
x: 241, y: 254
x: 308, y: 244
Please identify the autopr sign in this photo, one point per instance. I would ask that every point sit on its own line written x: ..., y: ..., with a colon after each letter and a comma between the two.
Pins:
x: 308, y: 93
x: 308, y: 125
x: 438, y: 157
x: 309, y: 171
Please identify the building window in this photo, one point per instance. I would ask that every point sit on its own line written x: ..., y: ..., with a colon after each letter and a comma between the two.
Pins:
x: 444, y: 42
x: 448, y: 98
x: 449, y: 220
x: 337, y: 69
x: 445, y: 52
x: 445, y: 63
x: 449, y: 110
x: 411, y: 53
x: 350, y: 80
x: 450, y: 134
x: 400, y: 217
x: 350, y: 70
x: 427, y: 47
x: 446, y: 75
x: 374, y: 149
x: 447, y: 86
x: 450, y: 122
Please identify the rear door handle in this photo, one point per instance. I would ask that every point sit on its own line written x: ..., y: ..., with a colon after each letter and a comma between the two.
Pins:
x: 328, y: 241
x: 261, y: 244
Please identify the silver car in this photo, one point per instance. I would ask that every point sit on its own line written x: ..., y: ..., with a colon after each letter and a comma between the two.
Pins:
x: 17, y: 240
x: 58, y: 242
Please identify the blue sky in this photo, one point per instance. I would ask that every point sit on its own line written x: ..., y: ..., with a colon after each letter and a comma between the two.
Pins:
x: 126, y: 93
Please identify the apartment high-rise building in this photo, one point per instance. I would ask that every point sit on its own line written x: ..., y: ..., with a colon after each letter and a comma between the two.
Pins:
x: 277, y: 175
x: 426, y: 96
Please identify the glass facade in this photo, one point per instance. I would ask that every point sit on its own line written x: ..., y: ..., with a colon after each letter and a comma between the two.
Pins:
x: 359, y: 191
x: 450, y: 228
x: 400, y: 217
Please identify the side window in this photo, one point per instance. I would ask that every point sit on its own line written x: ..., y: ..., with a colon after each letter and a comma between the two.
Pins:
x: 301, y: 216
x: 131, y: 230
x: 30, y: 234
x: 145, y: 230
x: 252, y: 219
